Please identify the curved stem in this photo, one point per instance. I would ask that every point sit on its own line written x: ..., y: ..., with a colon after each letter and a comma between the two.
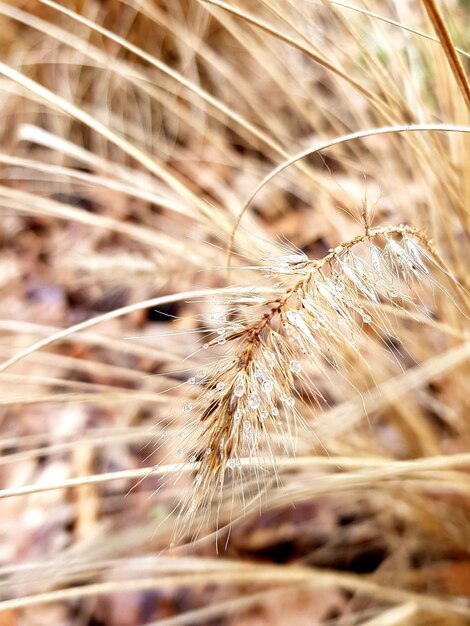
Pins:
x: 329, y: 144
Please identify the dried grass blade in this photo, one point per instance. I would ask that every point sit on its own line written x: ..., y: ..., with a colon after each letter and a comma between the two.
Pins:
x: 449, y: 49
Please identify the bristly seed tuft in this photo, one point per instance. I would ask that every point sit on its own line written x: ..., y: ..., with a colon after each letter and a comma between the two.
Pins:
x: 251, y: 396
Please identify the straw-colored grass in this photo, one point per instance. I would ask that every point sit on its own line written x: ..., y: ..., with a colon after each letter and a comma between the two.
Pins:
x: 234, y: 314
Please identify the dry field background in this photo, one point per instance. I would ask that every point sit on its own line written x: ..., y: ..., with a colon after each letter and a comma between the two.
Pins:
x: 133, y: 132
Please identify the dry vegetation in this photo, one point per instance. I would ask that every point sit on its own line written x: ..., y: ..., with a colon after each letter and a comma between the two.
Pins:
x: 234, y: 312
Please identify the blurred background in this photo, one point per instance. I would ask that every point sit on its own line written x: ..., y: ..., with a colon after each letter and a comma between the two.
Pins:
x: 132, y: 133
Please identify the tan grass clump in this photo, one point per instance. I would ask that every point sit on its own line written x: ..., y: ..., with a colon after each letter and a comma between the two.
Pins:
x: 306, y: 400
